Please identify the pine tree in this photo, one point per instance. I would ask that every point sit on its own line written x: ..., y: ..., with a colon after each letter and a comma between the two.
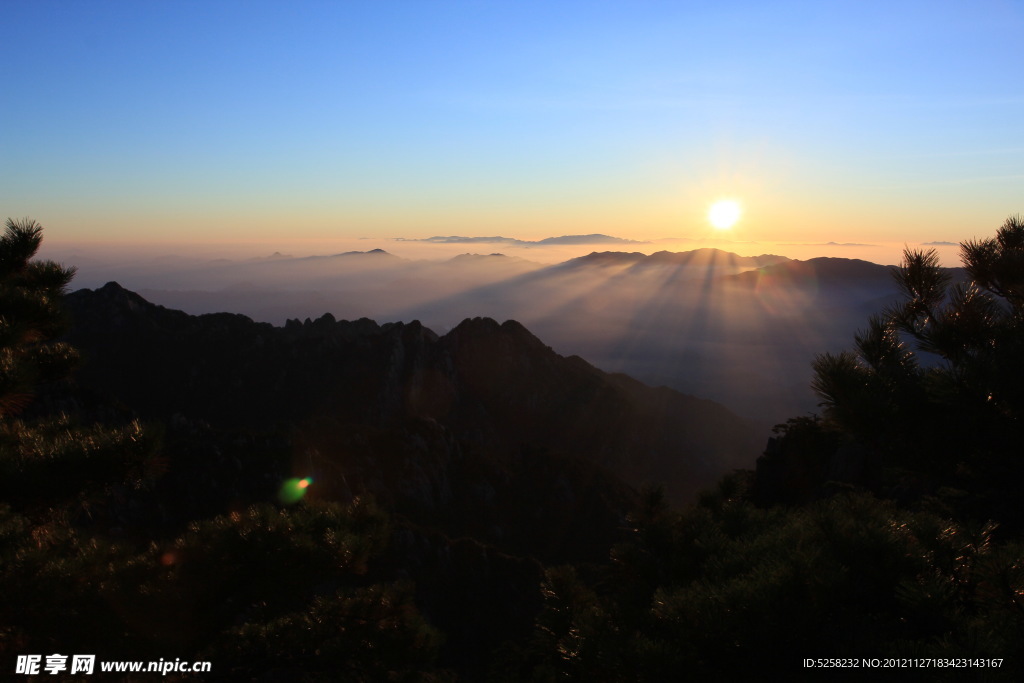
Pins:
x: 936, y: 383
x: 30, y: 317
x: 53, y: 460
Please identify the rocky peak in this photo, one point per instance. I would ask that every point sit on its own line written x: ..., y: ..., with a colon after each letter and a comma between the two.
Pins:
x: 496, y: 384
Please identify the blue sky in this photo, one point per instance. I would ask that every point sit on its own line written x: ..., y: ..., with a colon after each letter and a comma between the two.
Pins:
x: 193, y: 121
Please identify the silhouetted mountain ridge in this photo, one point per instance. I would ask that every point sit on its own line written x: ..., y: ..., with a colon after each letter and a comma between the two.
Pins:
x: 496, y: 387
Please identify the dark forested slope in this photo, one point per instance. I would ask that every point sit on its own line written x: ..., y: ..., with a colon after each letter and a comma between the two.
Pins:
x: 497, y: 388
x: 494, y: 453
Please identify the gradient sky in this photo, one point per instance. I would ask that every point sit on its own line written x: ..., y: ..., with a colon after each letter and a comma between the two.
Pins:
x: 193, y: 122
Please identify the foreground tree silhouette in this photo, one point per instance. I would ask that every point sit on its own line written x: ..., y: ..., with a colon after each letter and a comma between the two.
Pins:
x: 48, y: 461
x: 746, y: 590
x: 30, y: 316
x: 936, y: 383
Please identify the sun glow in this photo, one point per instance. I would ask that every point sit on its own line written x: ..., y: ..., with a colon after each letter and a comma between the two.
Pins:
x: 724, y: 213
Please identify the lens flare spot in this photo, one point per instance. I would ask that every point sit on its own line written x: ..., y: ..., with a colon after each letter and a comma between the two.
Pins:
x: 292, y: 490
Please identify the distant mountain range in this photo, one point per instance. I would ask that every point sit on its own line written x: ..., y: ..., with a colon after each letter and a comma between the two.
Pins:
x: 713, y: 258
x: 819, y: 272
x: 564, y: 239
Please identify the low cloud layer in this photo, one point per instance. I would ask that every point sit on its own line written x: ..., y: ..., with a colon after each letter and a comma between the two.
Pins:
x: 834, y: 244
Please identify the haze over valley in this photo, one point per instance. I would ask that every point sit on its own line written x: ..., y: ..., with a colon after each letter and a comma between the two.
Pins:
x: 741, y: 330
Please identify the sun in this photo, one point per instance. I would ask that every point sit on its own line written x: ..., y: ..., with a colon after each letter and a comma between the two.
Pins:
x: 724, y: 213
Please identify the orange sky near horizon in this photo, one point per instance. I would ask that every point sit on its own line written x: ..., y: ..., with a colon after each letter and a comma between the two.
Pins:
x: 167, y: 126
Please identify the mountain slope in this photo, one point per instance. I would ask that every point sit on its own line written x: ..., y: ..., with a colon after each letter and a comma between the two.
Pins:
x: 496, y: 389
